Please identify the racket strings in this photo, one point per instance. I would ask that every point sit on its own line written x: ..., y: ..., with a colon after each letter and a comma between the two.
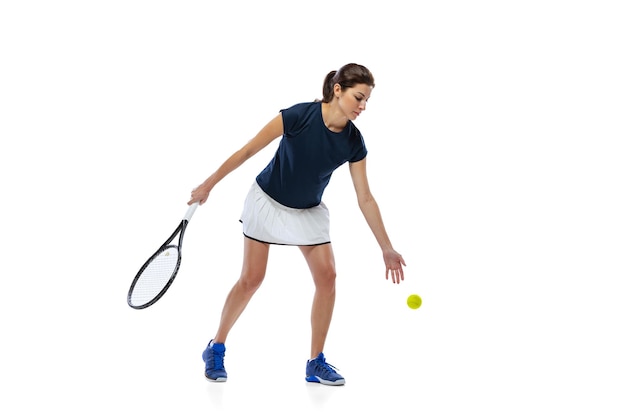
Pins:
x: 155, y: 277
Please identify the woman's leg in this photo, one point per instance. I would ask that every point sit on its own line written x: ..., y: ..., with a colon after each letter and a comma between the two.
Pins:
x: 321, y: 261
x: 252, y: 274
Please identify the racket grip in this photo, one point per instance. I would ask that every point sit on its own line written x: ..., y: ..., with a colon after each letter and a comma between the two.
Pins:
x: 191, y: 210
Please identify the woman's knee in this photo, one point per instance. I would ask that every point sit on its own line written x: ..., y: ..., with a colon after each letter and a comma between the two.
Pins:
x: 324, y: 278
x: 251, y: 281
x: 254, y: 265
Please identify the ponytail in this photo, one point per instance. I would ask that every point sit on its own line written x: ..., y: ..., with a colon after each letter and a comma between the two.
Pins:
x: 327, y: 88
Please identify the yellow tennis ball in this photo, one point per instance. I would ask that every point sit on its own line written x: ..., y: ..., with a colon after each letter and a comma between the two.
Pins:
x: 414, y: 301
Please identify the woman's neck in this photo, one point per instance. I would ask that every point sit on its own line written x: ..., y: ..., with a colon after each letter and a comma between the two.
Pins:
x: 333, y: 117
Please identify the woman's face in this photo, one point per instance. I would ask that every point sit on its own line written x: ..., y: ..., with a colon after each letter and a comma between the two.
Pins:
x: 353, y: 99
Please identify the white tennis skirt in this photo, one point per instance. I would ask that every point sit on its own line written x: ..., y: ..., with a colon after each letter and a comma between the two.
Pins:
x: 266, y: 220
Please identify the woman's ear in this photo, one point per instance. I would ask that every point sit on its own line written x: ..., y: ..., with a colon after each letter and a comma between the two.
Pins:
x: 337, y: 90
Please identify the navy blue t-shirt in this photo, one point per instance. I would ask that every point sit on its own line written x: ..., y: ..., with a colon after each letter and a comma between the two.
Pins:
x: 307, y: 155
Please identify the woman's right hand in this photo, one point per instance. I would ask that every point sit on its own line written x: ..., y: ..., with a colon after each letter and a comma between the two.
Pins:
x: 200, y: 194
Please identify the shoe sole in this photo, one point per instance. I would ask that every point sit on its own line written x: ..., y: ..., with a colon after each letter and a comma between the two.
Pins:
x: 317, y: 379
x: 219, y: 379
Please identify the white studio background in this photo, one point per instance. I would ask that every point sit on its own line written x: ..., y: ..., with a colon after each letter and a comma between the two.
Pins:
x: 496, y: 137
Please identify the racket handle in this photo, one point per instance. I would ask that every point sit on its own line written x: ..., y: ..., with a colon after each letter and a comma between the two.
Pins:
x: 190, y: 211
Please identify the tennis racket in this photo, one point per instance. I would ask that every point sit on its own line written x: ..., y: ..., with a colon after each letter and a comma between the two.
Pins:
x: 159, y: 271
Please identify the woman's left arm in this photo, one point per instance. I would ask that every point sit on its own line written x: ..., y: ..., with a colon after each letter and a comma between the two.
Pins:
x: 371, y: 212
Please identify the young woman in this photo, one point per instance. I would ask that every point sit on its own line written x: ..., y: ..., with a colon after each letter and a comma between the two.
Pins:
x: 284, y: 206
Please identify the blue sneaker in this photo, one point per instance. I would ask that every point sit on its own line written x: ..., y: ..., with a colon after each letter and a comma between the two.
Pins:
x: 318, y: 371
x: 213, y: 357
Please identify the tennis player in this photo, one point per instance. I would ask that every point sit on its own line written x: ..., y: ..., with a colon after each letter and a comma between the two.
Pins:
x: 284, y: 207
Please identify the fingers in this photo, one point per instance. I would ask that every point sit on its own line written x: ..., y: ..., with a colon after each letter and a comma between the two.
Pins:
x: 197, y: 196
x: 199, y: 201
x: 195, y: 199
x: 397, y: 274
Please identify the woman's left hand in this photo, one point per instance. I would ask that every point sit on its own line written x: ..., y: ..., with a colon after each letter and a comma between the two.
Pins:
x: 394, y: 263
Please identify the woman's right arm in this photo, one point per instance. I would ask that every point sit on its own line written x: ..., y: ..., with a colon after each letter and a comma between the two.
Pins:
x: 270, y: 132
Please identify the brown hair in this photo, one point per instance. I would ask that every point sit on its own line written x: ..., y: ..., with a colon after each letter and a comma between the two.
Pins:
x: 347, y: 76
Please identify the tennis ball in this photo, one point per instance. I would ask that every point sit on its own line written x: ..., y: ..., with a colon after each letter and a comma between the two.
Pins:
x: 414, y: 301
